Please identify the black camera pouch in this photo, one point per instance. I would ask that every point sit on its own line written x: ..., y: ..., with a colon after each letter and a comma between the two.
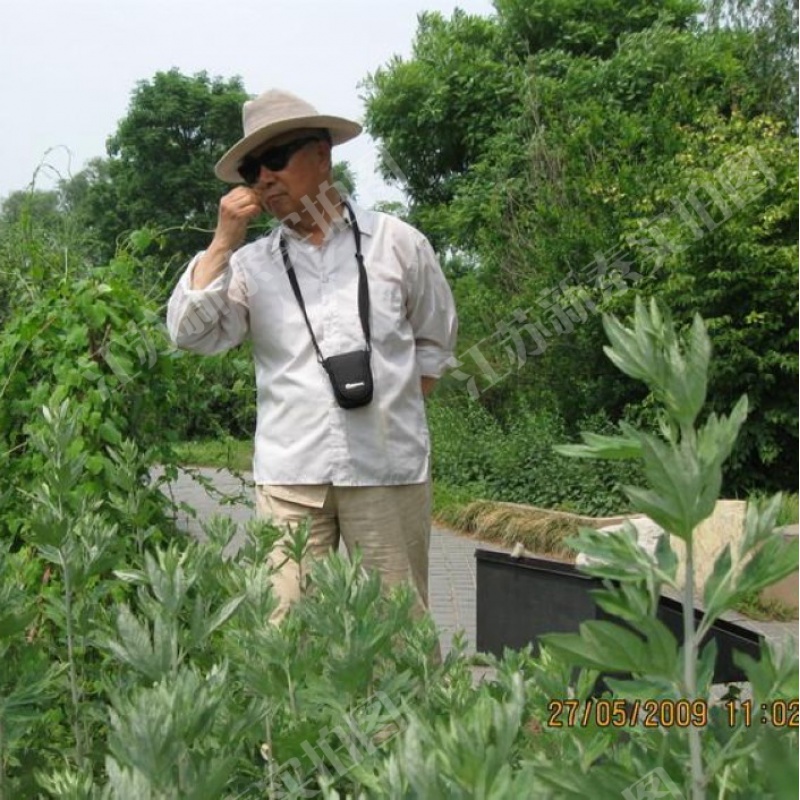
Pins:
x: 351, y: 378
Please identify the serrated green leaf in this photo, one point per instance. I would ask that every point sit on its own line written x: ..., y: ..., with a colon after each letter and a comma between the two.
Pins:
x: 773, y: 561
x: 666, y: 559
x: 130, y: 575
x: 719, y: 585
x: 760, y: 522
x: 645, y: 688
x: 603, y: 447
x: 223, y: 614
x: 600, y: 645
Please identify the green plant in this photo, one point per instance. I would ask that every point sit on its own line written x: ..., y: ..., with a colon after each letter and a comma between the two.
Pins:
x: 789, y: 510
x: 215, y: 396
x: 511, y: 743
x: 28, y: 682
x: 228, y: 453
x: 683, y: 466
x: 137, y: 668
x: 92, y: 337
x: 512, y: 459
x: 469, y: 755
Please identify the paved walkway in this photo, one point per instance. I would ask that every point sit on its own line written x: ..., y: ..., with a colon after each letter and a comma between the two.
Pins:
x: 452, y: 578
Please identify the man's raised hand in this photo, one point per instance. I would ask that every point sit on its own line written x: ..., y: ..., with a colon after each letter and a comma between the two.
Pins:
x: 237, y: 209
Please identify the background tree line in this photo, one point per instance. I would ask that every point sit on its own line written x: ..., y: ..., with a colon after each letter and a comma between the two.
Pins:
x: 536, y: 145
x: 557, y: 130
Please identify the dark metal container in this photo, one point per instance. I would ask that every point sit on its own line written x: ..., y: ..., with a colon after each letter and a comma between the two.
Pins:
x: 519, y: 599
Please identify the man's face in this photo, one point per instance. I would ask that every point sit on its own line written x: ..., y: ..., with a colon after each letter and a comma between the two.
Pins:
x: 281, y: 192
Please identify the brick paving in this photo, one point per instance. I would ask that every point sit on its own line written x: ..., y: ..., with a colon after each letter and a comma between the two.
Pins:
x: 452, y: 574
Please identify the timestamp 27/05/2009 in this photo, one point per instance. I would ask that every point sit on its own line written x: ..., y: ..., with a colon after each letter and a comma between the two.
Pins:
x: 618, y: 713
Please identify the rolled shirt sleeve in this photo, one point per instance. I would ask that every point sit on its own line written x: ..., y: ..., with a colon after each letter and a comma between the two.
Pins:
x: 431, y: 312
x: 209, y: 320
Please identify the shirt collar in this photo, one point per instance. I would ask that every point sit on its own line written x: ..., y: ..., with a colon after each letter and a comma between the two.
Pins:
x: 364, y: 217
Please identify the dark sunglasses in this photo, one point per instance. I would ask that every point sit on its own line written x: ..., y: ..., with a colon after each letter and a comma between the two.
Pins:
x: 275, y: 159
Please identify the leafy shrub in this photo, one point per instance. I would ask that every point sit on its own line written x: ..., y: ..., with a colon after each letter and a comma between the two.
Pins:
x: 139, y: 669
x: 514, y: 460
x: 215, y: 396
x: 153, y: 669
x: 90, y: 336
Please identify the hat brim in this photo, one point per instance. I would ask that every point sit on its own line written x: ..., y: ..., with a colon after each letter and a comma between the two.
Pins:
x: 341, y: 130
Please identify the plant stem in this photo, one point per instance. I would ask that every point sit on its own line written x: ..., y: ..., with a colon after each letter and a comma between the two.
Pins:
x: 690, y: 653
x: 270, y: 762
x: 73, y: 675
x: 290, y: 687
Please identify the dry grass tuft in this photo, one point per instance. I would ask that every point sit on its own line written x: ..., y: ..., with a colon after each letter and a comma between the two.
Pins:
x: 538, y: 530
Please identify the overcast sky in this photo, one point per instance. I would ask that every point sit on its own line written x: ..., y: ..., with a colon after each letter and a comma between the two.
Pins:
x: 68, y: 67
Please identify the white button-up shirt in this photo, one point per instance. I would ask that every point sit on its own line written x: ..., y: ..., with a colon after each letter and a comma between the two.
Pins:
x: 302, y: 436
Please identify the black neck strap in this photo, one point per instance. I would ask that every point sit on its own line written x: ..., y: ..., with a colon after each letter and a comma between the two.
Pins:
x: 363, y: 286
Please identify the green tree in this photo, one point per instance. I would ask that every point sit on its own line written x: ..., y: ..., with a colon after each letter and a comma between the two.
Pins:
x: 159, y: 168
x: 91, y: 198
x: 586, y: 29
x: 768, y: 35
x: 741, y: 274
x: 606, y: 118
x: 437, y: 112
x: 342, y: 173
x: 44, y: 206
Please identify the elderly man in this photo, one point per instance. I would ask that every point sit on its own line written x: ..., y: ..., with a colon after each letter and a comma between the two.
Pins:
x: 352, y: 322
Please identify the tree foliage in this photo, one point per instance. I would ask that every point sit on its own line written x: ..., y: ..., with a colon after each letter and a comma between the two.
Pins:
x: 24, y: 204
x: 157, y: 176
x: 159, y: 168
x: 609, y: 118
x: 586, y: 29
x: 455, y: 93
x: 767, y: 32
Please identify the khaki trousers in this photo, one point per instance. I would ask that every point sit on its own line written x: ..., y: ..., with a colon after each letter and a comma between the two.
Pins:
x: 390, y: 525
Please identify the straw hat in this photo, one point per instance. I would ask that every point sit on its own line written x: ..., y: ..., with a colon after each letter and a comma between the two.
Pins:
x: 271, y: 114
